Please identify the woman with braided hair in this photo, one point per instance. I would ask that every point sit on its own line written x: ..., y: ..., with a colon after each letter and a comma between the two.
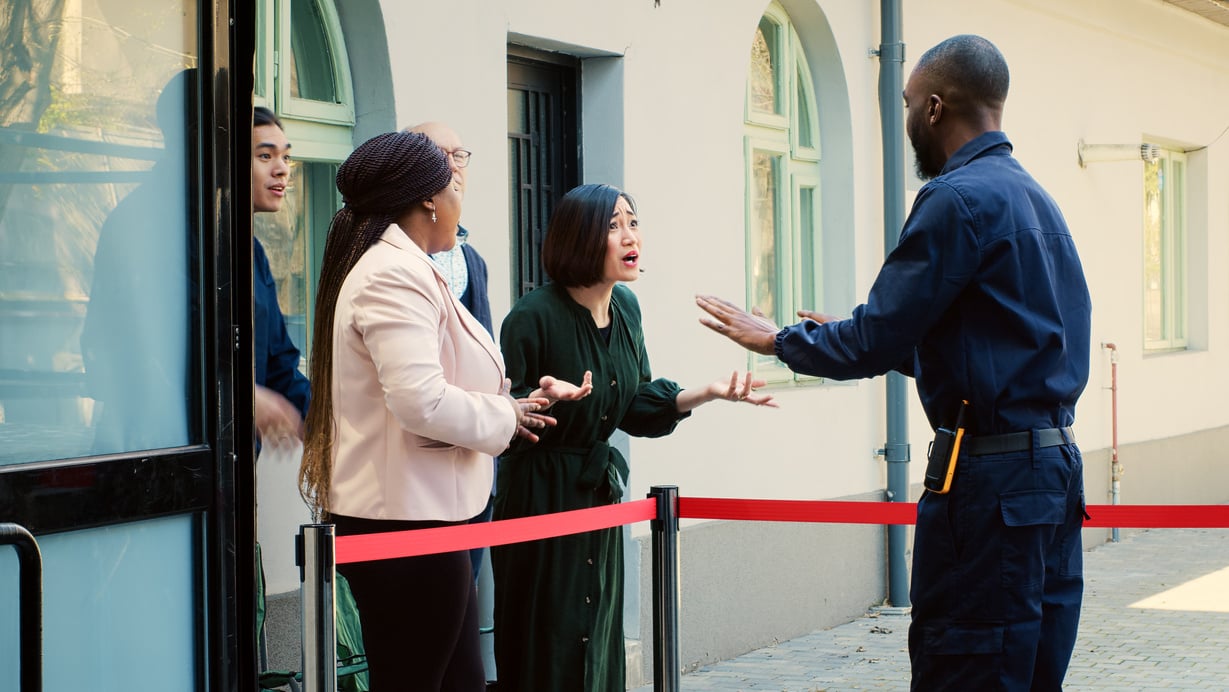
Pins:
x: 411, y: 402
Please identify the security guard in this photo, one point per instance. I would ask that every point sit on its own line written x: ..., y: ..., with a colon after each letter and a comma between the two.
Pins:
x: 984, y: 300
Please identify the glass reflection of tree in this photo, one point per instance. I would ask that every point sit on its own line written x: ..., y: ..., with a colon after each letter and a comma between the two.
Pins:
x: 283, y: 235
x: 764, y: 220
x: 764, y: 68
x: 279, y: 233
x: 1153, y: 291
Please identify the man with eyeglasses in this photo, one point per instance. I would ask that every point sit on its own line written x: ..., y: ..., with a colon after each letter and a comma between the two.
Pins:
x: 462, y: 266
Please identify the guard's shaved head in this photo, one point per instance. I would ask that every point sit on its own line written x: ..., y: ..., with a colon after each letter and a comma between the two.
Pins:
x: 966, y: 69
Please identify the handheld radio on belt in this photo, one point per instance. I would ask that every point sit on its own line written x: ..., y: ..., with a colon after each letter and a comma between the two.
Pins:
x: 941, y: 456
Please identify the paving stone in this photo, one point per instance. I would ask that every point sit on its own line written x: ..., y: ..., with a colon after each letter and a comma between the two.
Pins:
x: 1118, y: 647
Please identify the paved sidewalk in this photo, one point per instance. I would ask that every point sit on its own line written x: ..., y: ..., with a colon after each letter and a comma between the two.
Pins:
x: 1156, y: 617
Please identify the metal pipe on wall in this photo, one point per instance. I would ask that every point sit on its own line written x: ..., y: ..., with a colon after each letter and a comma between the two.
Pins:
x: 892, y: 119
x: 1115, y: 467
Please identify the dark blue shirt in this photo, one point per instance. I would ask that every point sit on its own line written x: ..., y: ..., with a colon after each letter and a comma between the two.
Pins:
x: 983, y: 299
x: 275, y: 355
x: 475, y: 298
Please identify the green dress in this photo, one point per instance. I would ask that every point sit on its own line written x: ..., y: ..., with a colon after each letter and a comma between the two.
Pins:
x: 559, y: 602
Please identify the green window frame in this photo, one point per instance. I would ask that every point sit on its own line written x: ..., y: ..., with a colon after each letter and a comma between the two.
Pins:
x: 302, y: 64
x: 782, y: 155
x: 1165, y: 239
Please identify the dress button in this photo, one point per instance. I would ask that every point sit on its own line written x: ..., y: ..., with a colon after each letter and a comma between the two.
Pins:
x: 584, y: 640
x: 590, y: 561
x: 588, y: 600
x: 604, y: 417
x: 613, y: 382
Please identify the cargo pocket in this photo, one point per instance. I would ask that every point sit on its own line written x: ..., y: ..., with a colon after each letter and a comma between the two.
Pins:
x: 1031, y: 518
x: 965, y: 639
x: 1071, y: 559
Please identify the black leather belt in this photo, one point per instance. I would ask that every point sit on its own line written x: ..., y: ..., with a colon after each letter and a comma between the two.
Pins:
x: 1016, y: 442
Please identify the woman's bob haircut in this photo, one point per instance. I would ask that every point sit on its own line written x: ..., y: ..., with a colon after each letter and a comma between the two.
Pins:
x: 574, y: 250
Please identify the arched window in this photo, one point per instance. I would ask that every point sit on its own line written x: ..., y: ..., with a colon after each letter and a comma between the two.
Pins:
x: 782, y: 148
x: 302, y: 75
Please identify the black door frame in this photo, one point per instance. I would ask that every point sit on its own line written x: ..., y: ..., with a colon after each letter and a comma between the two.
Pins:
x: 213, y: 481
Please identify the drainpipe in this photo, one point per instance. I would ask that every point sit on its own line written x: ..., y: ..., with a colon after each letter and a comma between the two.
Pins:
x: 896, y: 450
x: 1115, y: 467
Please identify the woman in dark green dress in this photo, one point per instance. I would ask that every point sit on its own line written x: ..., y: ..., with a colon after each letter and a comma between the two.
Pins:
x: 559, y: 602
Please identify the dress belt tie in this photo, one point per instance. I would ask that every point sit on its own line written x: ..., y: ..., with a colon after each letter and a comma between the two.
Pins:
x: 1016, y: 441
x: 604, y: 467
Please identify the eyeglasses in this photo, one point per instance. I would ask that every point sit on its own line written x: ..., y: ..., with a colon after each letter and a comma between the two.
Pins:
x: 460, y: 157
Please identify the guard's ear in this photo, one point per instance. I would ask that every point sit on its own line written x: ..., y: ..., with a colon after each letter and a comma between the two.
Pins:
x: 934, y: 109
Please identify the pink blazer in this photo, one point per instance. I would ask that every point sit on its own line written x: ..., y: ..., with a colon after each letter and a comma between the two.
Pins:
x: 416, y: 399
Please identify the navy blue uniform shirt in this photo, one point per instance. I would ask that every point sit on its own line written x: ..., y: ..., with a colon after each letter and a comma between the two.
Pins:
x: 983, y: 299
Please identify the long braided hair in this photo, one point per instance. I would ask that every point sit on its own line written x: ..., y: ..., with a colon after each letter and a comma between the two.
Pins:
x: 379, y: 181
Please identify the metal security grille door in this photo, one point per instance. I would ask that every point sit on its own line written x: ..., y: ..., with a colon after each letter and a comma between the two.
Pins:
x: 543, y: 153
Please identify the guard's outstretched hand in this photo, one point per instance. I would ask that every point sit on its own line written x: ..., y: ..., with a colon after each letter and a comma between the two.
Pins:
x: 751, y: 330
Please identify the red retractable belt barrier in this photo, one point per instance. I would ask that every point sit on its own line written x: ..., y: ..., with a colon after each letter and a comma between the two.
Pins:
x: 1158, y: 516
x: 380, y: 546
x: 1103, y: 516
x: 798, y: 510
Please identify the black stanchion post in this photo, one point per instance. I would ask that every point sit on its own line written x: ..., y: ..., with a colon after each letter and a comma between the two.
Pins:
x: 667, y: 674
x: 30, y: 593
x: 317, y: 562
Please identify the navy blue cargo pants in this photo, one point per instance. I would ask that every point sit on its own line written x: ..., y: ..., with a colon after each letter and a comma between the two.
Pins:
x: 998, y: 573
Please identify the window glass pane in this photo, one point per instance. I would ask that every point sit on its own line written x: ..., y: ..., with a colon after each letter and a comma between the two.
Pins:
x: 518, y: 111
x: 118, y: 608
x: 765, y: 217
x: 1176, y: 284
x: 283, y: 234
x: 311, y: 55
x: 805, y: 137
x: 806, y: 231
x: 263, y: 50
x: 293, y: 239
x: 321, y: 202
x: 1153, y: 287
x: 97, y: 269
x: 765, y: 67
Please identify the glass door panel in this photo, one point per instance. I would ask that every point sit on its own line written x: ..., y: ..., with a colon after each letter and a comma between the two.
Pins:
x: 113, y: 398
x: 118, y: 608
x: 97, y: 235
